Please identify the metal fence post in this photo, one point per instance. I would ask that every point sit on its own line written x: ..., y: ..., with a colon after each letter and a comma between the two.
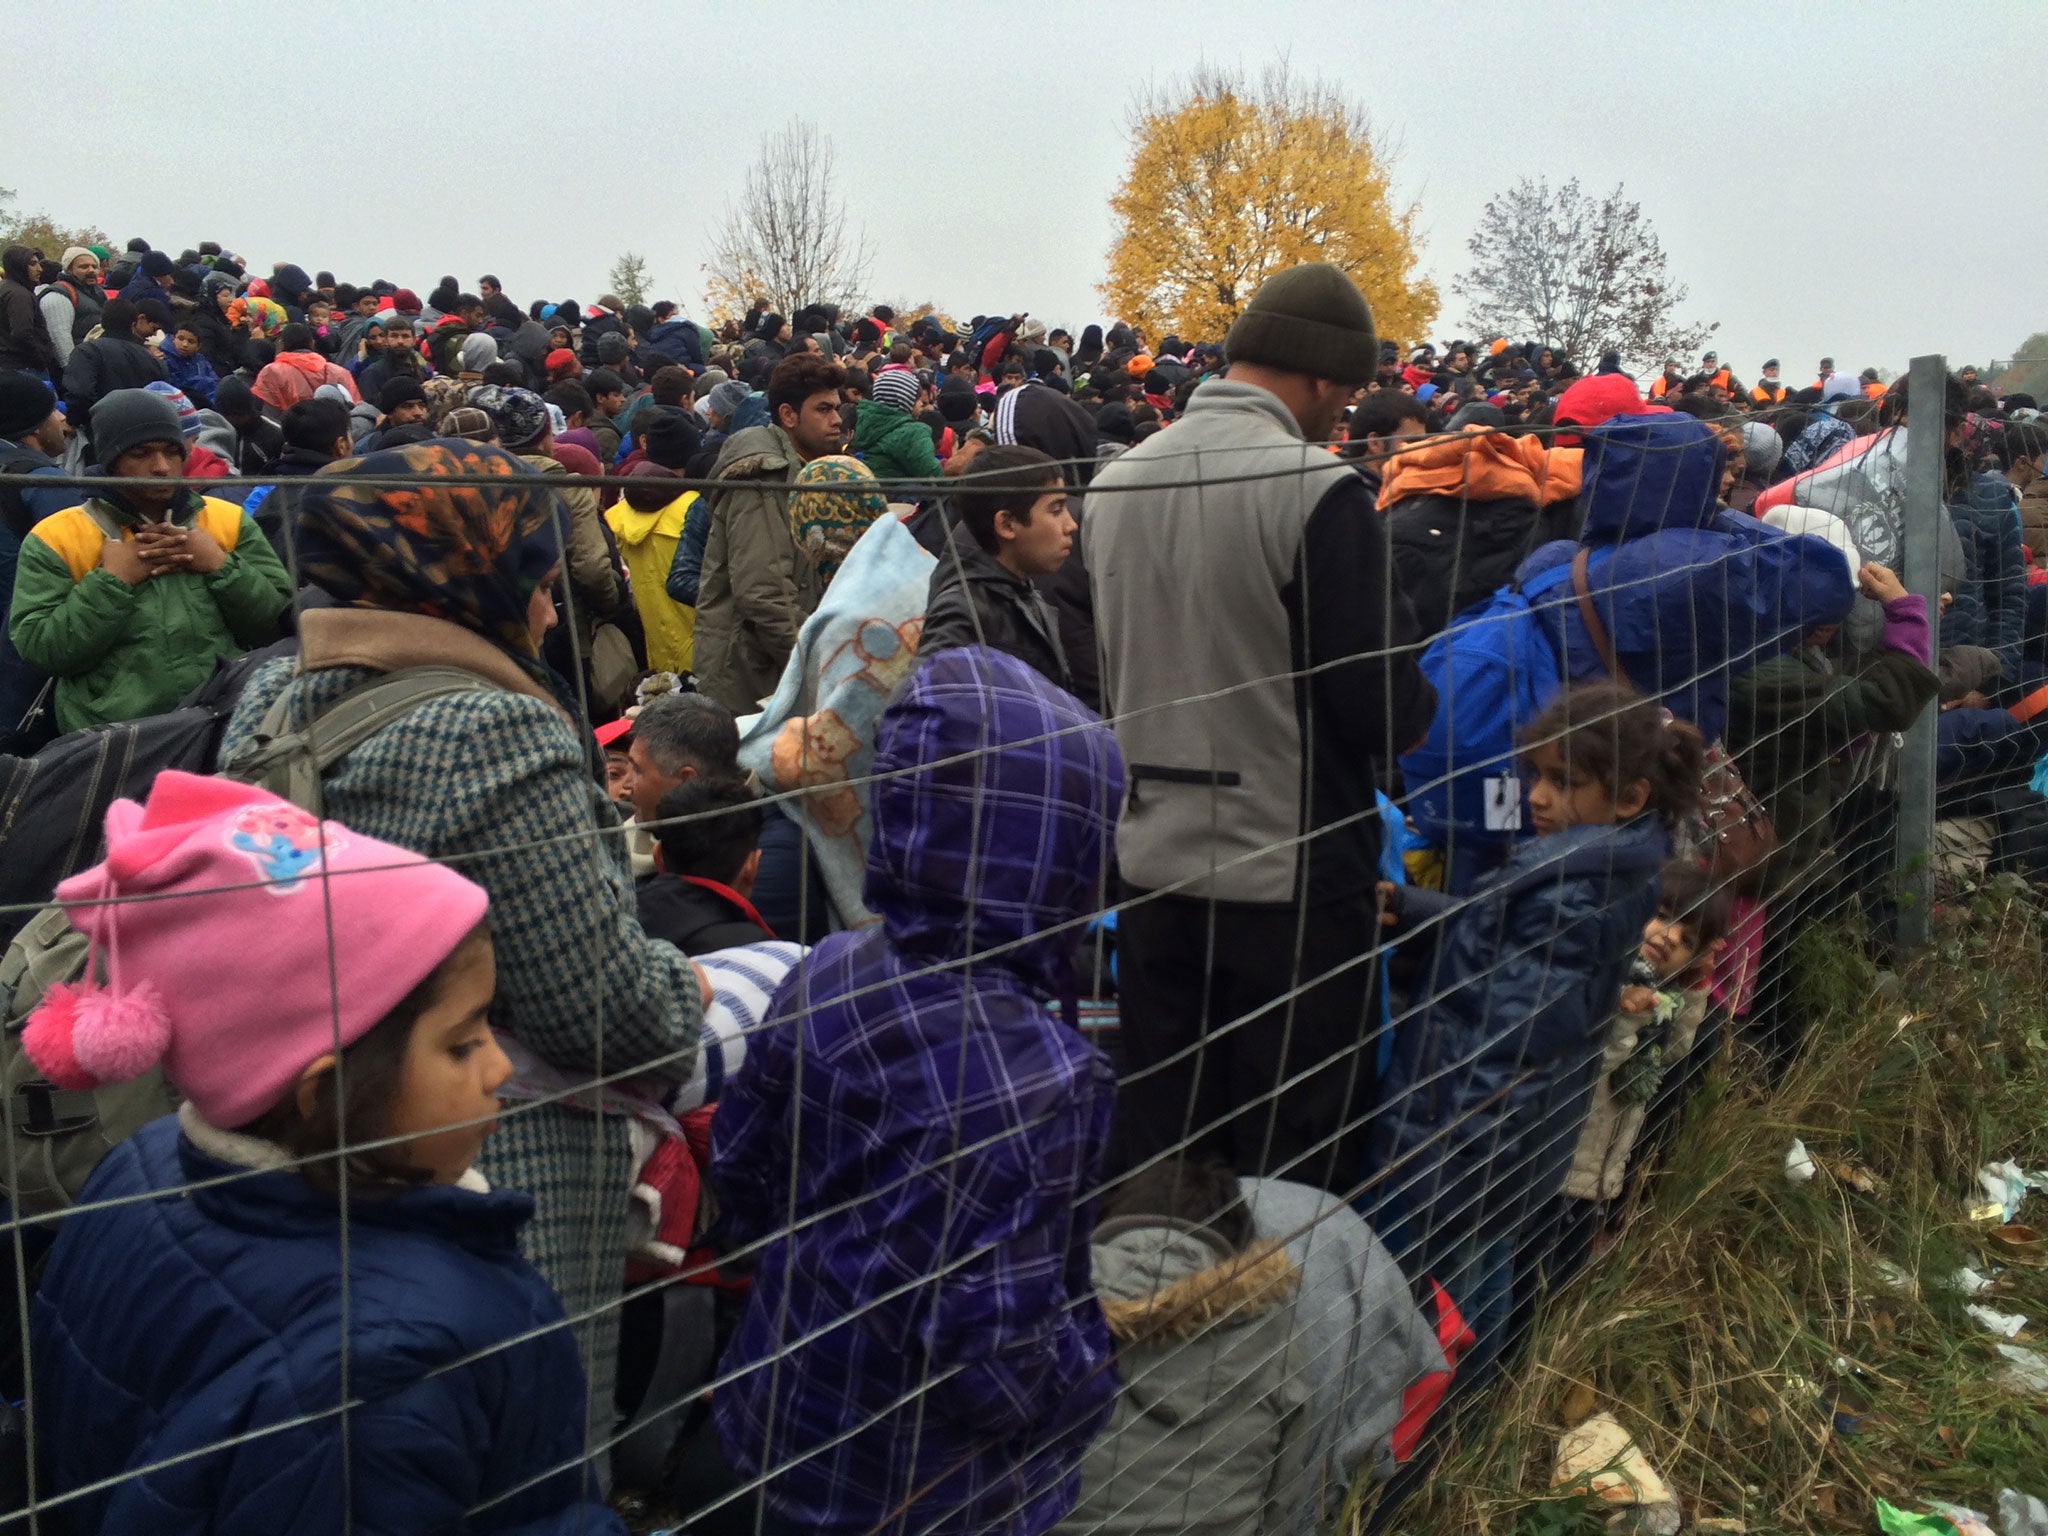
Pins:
x: 1921, y: 546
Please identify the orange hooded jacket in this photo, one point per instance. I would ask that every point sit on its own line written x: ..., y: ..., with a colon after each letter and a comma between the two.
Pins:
x: 1481, y: 464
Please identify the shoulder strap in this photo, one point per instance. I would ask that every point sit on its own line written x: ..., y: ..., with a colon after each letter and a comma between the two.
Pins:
x: 291, y: 763
x: 1591, y: 616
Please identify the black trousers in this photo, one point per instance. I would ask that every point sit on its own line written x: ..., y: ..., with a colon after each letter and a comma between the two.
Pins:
x: 1219, y: 1020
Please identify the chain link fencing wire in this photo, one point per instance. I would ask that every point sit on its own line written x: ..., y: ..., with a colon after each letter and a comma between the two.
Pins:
x: 1871, y: 822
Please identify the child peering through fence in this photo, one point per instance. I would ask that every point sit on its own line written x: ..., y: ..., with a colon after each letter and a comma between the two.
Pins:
x: 1484, y: 1104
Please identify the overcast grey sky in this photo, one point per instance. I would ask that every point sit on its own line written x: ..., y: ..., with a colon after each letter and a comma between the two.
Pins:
x: 1863, y: 180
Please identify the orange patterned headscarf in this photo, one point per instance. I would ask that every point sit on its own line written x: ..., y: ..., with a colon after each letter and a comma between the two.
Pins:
x: 468, y: 553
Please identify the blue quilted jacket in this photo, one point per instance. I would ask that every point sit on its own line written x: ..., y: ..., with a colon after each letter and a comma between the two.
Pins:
x: 1484, y: 1104
x: 163, y: 1327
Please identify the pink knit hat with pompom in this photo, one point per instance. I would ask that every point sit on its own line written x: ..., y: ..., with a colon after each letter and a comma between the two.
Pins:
x: 226, y: 975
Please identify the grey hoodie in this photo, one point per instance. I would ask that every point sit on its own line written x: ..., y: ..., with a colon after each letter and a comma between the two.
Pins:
x: 1210, y: 1433
x: 1365, y: 1340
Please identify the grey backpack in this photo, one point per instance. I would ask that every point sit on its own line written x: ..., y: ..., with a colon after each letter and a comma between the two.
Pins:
x: 55, y: 1136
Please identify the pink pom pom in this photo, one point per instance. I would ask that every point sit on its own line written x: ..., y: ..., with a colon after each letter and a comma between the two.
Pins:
x: 116, y: 1038
x: 47, y: 1036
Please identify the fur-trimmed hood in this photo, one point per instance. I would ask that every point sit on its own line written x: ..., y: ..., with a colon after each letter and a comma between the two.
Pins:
x: 757, y: 453
x: 1159, y: 1278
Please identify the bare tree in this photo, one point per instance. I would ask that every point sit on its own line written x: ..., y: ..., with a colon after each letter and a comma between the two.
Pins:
x: 630, y: 280
x: 1568, y: 270
x: 787, y: 238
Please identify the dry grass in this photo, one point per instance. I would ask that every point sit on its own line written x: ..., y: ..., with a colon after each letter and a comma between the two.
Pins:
x: 1715, y: 1325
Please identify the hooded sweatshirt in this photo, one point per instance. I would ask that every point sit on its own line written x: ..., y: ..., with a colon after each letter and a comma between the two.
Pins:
x: 966, y: 1114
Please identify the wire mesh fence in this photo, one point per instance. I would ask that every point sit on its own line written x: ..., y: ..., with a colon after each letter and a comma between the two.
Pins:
x: 1145, y: 1120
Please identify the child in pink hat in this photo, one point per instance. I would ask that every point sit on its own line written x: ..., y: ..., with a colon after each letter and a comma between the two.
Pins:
x: 321, y: 1000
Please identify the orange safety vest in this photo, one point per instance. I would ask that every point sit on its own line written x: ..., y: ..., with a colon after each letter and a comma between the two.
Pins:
x: 1873, y: 391
x: 1764, y: 394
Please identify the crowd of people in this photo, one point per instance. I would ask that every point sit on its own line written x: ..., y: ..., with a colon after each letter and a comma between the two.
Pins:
x: 871, y: 923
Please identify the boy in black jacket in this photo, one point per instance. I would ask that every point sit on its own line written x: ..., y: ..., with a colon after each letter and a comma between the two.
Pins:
x: 1014, y: 525
x: 707, y: 851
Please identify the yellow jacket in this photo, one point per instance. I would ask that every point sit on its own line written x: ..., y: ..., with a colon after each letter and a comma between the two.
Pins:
x: 647, y: 542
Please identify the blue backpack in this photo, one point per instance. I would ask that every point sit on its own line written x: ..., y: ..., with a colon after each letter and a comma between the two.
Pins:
x: 984, y: 333
x: 1494, y: 671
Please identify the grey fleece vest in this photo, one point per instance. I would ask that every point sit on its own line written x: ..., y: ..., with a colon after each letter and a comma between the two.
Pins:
x: 1196, y: 643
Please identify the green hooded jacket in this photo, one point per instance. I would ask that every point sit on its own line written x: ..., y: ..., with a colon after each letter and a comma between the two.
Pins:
x: 893, y: 445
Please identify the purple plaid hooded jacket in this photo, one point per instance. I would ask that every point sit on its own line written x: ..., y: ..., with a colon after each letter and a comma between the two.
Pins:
x: 915, y: 1133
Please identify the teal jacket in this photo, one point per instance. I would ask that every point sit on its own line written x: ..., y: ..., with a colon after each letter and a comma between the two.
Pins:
x: 120, y: 652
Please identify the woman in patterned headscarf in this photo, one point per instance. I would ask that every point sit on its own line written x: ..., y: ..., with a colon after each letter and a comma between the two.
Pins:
x: 834, y: 503
x: 456, y: 570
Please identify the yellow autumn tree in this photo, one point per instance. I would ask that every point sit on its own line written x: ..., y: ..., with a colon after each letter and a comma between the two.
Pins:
x: 1230, y: 182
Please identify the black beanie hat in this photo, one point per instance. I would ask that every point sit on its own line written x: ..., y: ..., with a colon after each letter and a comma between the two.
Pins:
x: 1309, y: 319
x: 669, y: 437
x: 25, y: 404
x: 397, y: 391
x: 957, y: 401
x: 233, y: 394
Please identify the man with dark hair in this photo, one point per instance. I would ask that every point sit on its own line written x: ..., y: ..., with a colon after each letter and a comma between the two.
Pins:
x: 756, y: 586
x: 608, y: 395
x: 258, y: 440
x: 1381, y: 424
x: 315, y: 435
x: 707, y: 851
x: 1013, y: 511
x: 130, y: 597
x: 671, y: 386
x: 120, y: 357
x: 1252, y: 755
x: 388, y: 353
x: 573, y: 401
